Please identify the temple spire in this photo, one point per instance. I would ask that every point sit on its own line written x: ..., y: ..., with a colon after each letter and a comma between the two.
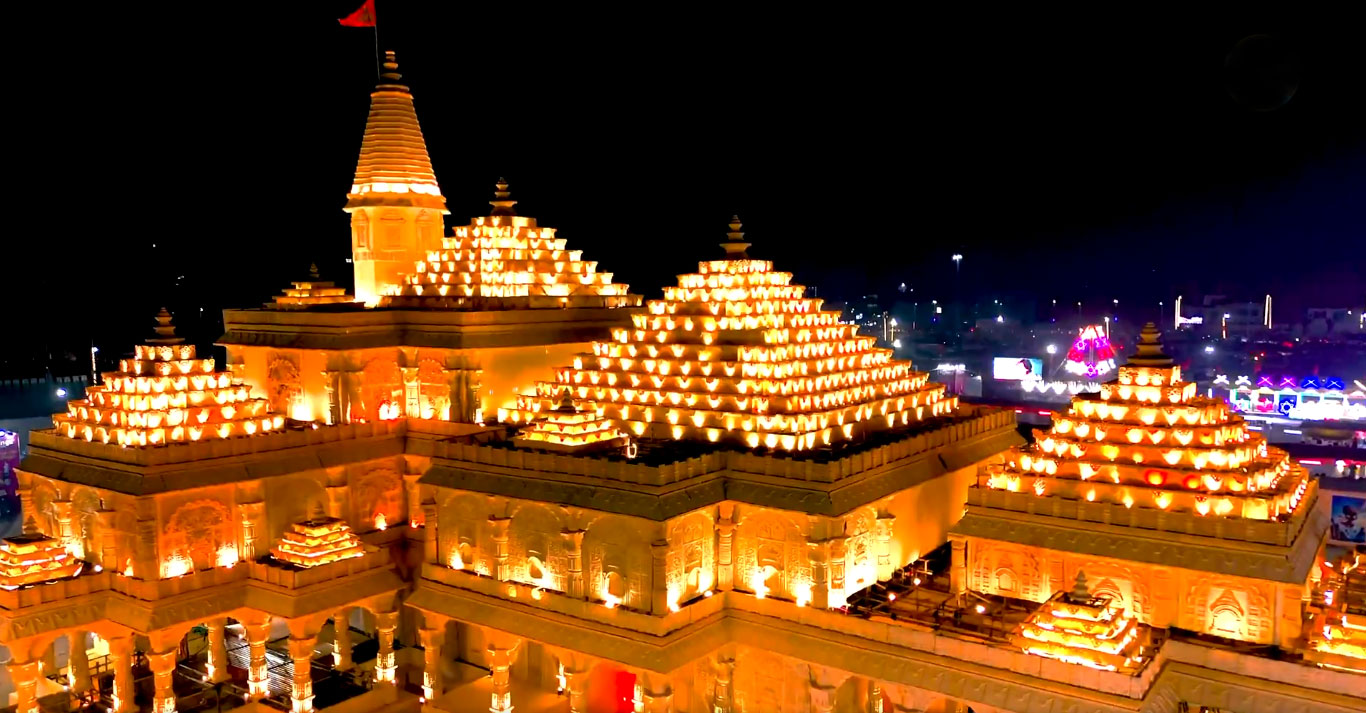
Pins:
x: 1149, y: 351
x: 1080, y: 592
x: 165, y: 330
x: 502, y: 199
x: 735, y: 245
x: 394, y: 168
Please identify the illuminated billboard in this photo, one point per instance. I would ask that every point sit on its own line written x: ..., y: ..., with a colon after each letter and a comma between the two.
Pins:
x: 1016, y: 369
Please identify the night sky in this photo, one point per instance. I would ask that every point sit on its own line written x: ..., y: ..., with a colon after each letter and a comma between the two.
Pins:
x: 1072, y: 157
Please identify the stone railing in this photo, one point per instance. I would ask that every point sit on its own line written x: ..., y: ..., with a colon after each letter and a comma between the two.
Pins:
x: 972, y: 424
x: 1267, y: 532
x: 155, y: 589
x: 204, y: 450
x: 298, y: 578
x: 55, y: 591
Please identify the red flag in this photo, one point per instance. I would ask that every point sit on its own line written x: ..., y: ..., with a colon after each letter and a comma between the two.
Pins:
x: 364, y: 16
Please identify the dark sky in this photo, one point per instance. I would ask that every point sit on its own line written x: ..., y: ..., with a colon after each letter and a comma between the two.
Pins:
x: 1072, y: 157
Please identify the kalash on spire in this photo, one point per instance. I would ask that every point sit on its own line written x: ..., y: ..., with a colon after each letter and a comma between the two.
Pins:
x: 394, y: 202
x: 737, y: 352
x: 165, y: 394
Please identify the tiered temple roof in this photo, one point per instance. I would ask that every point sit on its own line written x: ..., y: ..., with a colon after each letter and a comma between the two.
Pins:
x: 1148, y: 439
x: 165, y: 394
x: 569, y: 428
x: 394, y: 168
x: 505, y: 260
x: 737, y: 352
x: 311, y: 293
x: 34, y: 558
x: 317, y: 541
x: 1079, y: 628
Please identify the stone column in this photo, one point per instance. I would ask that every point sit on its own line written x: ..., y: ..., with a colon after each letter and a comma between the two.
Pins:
x: 301, y: 690
x: 121, y: 660
x: 500, y: 663
x: 411, y: 402
x: 146, y: 562
x: 958, y: 566
x: 341, y: 639
x: 258, y: 685
x: 25, y: 677
x: 822, y: 698
x: 874, y: 697
x: 336, y: 501
x: 576, y: 685
x: 838, y: 554
x: 431, y: 542
x: 819, y: 553
x: 432, y: 683
x: 723, y: 696
x: 412, y: 501
x: 217, y: 667
x: 163, y: 668
x: 574, y: 553
x: 501, y: 570
x: 253, y: 528
x: 884, y: 546
x: 333, y: 402
x: 61, y: 511
x: 725, y: 553
x: 108, y: 556
x: 657, y: 694
x: 78, y: 664
x: 384, y: 662
x: 659, y: 577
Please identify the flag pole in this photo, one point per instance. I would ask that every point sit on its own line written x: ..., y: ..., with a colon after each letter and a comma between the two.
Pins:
x: 375, y: 27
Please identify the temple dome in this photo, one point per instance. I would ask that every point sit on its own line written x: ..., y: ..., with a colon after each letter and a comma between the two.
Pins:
x: 737, y: 352
x: 394, y: 168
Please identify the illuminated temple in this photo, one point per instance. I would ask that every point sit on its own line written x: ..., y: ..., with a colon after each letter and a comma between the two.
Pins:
x: 492, y: 479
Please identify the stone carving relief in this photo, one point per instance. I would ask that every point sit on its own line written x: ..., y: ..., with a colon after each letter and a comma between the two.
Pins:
x: 196, y: 531
x: 691, y: 568
x: 536, y: 548
x: 1007, y: 570
x: 86, y: 505
x: 381, y: 389
x: 618, y: 553
x: 284, y: 384
x: 1228, y: 607
x: 463, y: 531
x: 376, y: 492
x: 435, y: 388
x: 771, y: 554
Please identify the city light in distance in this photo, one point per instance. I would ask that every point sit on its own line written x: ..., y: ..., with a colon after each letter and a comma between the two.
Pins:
x: 1209, y: 348
x: 1052, y: 349
x: 61, y: 393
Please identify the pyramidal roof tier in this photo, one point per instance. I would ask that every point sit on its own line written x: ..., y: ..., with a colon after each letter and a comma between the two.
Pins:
x: 1149, y: 440
x: 737, y: 352
x: 166, y: 394
x: 503, y: 261
x: 394, y: 168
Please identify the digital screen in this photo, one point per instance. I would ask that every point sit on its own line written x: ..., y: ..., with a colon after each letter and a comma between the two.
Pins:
x: 1016, y: 369
x: 1345, y: 524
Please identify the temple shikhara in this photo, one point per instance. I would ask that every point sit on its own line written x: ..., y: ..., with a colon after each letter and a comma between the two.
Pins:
x: 491, y: 478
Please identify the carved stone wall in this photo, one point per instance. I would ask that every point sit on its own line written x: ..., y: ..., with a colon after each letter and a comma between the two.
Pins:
x: 691, y: 567
x: 771, y: 551
x: 376, y: 489
x: 284, y: 380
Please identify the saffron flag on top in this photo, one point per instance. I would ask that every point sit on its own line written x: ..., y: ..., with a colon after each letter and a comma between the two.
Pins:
x: 364, y: 16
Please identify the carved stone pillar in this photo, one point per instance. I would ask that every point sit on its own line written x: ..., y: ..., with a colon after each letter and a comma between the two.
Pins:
x: 874, y: 697
x: 885, y: 566
x: 501, y: 570
x: 818, y: 551
x: 958, y: 566
x: 576, y: 685
x: 659, y: 577
x: 725, y: 568
x: 723, y: 695
x: 253, y: 529
x: 412, y: 405
x: 432, y: 683
x: 412, y: 500
x: 336, y: 501
x: 333, y: 399
x: 162, y: 664
x: 146, y: 558
x: 25, y: 677
x: 121, y: 661
x: 108, y: 556
x: 258, y: 685
x: 574, y: 554
x: 385, y: 622
x: 431, y: 542
x: 341, y: 642
x: 301, y: 688
x: 61, y: 512
x: 838, y: 555
x: 78, y: 664
x: 500, y: 664
x: 822, y: 698
x: 217, y: 667
x: 657, y: 694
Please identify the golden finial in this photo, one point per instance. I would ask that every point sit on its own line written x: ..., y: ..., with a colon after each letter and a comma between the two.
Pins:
x: 735, y: 245
x: 313, y: 271
x: 391, y: 75
x: 1080, y: 592
x: 165, y: 330
x: 567, y: 402
x: 502, y: 199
